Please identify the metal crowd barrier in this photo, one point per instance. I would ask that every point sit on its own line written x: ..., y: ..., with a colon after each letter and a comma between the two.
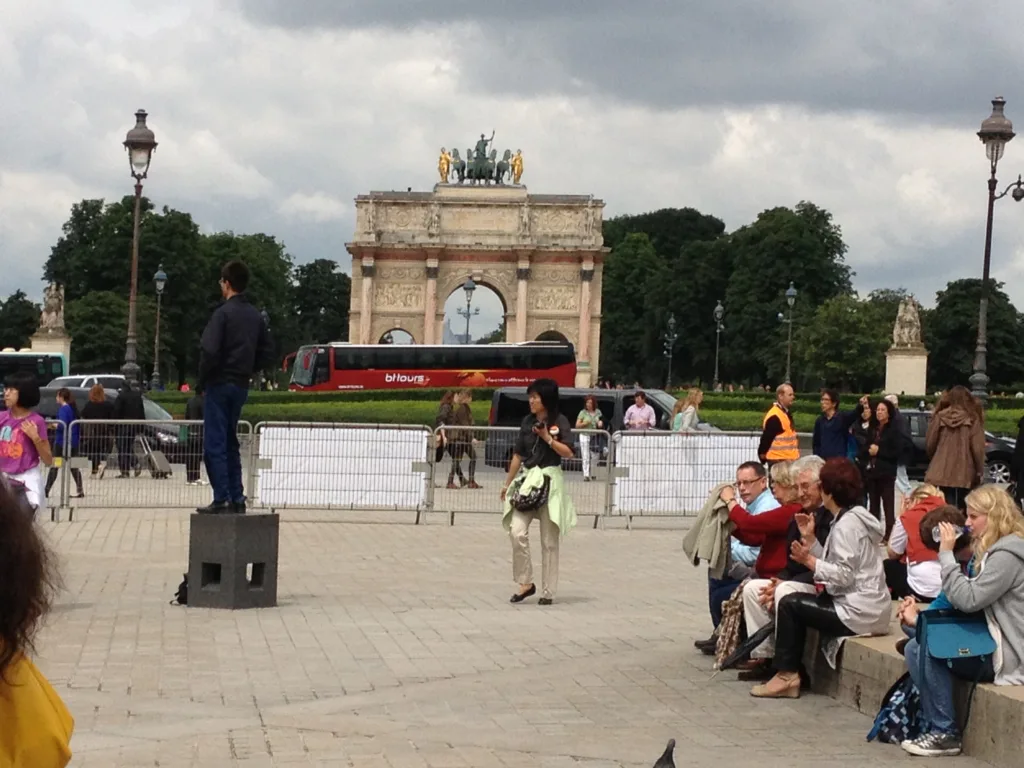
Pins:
x: 155, y: 464
x: 316, y: 465
x: 671, y: 473
x: 465, y: 457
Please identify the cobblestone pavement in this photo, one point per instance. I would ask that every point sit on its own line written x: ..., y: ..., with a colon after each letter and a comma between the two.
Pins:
x: 395, y: 645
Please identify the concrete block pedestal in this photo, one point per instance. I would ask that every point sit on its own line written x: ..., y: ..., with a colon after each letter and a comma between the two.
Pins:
x: 906, y: 371
x: 232, y: 561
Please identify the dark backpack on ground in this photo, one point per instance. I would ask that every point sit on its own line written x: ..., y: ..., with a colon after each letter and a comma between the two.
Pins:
x: 899, y: 717
x: 181, y: 596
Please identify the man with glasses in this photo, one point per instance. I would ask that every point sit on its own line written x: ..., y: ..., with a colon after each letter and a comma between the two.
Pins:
x: 752, y: 487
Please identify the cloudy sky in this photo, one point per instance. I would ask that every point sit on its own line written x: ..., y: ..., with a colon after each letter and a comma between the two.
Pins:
x: 273, y: 114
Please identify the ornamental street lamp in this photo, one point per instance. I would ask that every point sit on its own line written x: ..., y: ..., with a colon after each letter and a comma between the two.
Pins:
x: 670, y: 337
x: 140, y: 143
x: 790, y: 300
x: 469, y: 286
x: 996, y: 131
x: 719, y: 313
x: 160, y: 281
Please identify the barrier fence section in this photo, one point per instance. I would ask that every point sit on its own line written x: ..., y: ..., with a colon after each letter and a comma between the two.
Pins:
x: 672, y: 473
x: 315, y: 465
x: 155, y: 464
x: 469, y: 465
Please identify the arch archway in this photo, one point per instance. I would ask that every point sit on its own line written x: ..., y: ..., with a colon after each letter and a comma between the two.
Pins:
x: 553, y: 335
x: 487, y: 314
x: 396, y: 336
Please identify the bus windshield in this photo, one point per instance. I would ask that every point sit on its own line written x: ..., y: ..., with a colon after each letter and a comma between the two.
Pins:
x: 398, y: 366
x: 45, y: 366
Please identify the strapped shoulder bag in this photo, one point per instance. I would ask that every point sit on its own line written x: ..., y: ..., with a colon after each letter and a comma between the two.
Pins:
x: 533, y: 499
x: 947, y: 635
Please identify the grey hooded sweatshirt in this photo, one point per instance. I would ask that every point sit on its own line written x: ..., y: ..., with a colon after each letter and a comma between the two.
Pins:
x: 850, y: 567
x: 998, y: 590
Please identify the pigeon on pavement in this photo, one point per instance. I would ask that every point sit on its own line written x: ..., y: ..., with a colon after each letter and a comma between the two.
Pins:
x: 666, y: 761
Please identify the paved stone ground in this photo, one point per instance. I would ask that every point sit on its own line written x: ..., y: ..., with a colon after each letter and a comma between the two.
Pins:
x: 394, y: 645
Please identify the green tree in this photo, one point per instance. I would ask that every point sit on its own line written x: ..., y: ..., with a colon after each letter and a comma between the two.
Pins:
x: 951, y: 332
x: 98, y: 325
x: 844, y: 344
x: 19, y: 319
x: 783, y: 245
x: 668, y: 229
x: 322, y: 295
x: 631, y: 343
x: 495, y: 336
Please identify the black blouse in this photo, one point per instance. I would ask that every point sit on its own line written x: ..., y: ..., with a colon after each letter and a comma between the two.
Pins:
x: 536, y: 452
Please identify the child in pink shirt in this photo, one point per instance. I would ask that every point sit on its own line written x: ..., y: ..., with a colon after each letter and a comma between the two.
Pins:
x: 23, y: 444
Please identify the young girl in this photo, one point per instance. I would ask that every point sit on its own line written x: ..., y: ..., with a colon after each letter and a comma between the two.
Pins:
x: 23, y: 444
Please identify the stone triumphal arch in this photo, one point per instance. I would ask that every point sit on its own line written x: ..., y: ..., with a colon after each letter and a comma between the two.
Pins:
x: 542, y: 254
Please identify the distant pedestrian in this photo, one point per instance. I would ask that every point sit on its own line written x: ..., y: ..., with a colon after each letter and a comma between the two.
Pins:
x: 23, y: 444
x: 882, y: 457
x: 98, y: 439
x: 194, y: 411
x: 67, y: 441
x: 832, y: 428
x: 590, y: 418
x: 127, y: 407
x: 956, y: 445
x: 234, y: 346
x: 778, y: 437
x: 684, y: 415
x: 640, y: 415
x: 460, y: 441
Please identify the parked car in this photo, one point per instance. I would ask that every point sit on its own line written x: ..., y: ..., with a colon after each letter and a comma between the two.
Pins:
x: 509, y: 406
x: 111, y: 381
x: 998, y: 450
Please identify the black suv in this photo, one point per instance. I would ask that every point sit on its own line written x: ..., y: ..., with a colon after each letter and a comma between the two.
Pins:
x: 998, y: 450
x: 509, y: 407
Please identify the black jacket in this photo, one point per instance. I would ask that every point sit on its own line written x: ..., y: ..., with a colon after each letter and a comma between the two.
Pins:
x: 128, y: 405
x: 194, y: 408
x: 890, y: 450
x: 235, y: 344
x: 795, y: 571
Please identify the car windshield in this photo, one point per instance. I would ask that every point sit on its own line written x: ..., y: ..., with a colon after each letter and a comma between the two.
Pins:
x: 662, y: 398
x: 154, y: 412
x: 66, y: 381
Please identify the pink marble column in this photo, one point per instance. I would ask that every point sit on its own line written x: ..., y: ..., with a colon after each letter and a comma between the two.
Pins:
x: 522, y: 278
x: 430, y: 310
x: 366, y: 312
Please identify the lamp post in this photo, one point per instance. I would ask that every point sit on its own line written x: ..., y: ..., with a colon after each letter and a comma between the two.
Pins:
x: 996, y: 131
x: 790, y: 300
x: 670, y: 336
x: 140, y: 143
x: 719, y: 313
x: 160, y: 280
x: 469, y: 286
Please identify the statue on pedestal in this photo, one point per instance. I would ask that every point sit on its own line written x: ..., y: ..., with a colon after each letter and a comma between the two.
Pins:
x: 51, y: 321
x: 907, y: 330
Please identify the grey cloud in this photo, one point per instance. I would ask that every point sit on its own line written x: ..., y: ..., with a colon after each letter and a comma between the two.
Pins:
x: 906, y: 58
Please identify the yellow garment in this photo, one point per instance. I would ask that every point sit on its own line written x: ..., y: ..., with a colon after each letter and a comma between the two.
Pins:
x: 785, y: 446
x: 35, y: 726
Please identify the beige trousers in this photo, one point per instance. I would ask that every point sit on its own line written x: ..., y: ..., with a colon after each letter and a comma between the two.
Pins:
x: 522, y: 563
x: 756, y: 616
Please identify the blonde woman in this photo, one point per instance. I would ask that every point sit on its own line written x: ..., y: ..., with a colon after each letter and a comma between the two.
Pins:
x: 684, y: 415
x: 995, y: 585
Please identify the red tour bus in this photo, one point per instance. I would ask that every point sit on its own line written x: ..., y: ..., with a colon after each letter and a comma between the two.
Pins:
x: 337, y: 366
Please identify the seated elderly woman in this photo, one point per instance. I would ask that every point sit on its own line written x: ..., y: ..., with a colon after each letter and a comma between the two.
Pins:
x: 850, y: 596
x: 994, y: 584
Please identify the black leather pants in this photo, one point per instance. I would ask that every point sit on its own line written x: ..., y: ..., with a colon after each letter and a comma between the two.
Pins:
x: 795, y: 615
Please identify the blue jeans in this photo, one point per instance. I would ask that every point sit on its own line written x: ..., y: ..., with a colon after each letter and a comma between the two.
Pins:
x: 223, y: 407
x: 935, y: 682
x: 719, y: 590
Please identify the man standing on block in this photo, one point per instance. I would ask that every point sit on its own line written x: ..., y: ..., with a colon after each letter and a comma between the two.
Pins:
x: 234, y: 346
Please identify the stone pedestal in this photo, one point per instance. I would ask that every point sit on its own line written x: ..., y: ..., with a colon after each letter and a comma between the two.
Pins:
x: 232, y: 561
x: 52, y: 343
x: 906, y: 370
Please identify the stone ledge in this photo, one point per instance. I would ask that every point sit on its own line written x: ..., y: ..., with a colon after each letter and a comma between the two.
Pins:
x: 869, y: 666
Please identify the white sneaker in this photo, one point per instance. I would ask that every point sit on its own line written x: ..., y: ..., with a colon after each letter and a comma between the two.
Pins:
x: 933, y: 745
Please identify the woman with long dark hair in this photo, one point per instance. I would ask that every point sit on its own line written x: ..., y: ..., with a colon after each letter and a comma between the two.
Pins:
x: 956, y: 445
x: 535, y: 487
x: 67, y: 435
x: 881, y: 457
x: 35, y: 726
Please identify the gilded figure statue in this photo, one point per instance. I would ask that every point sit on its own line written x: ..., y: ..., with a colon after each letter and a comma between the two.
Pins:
x: 444, y: 165
x: 517, y: 166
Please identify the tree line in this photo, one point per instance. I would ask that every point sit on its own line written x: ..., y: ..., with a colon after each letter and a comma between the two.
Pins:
x: 671, y: 262
x: 680, y: 262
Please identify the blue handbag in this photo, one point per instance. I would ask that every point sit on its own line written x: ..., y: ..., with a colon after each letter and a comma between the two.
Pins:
x: 949, y: 635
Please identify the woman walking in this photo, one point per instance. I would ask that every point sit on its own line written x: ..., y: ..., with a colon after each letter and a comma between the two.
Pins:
x: 23, y: 444
x: 535, y: 487
x: 956, y: 445
x: 881, y: 457
x: 444, y: 417
x: 97, y: 439
x: 67, y: 440
x: 460, y: 441
x: 589, y: 418
x: 684, y: 415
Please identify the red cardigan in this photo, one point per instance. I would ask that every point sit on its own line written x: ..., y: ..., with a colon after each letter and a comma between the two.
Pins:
x: 769, y: 530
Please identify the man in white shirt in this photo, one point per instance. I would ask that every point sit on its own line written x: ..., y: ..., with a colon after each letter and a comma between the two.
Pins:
x: 640, y: 415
